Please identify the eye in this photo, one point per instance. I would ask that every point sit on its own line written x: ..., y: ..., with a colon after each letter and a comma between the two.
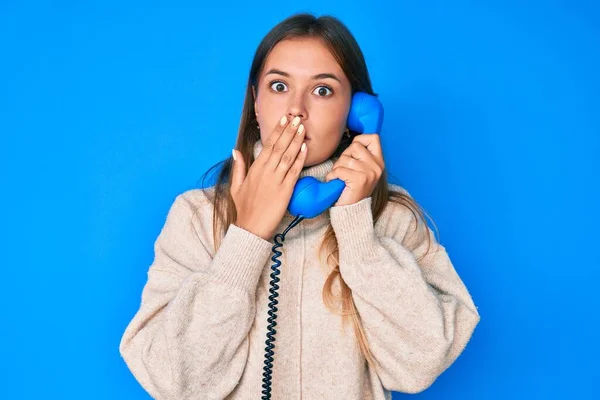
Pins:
x: 323, y: 91
x: 278, y: 86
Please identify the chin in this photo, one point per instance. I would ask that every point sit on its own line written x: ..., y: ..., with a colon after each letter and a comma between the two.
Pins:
x: 314, y: 159
x: 310, y: 162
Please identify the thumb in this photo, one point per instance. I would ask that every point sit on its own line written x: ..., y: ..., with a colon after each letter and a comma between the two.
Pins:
x: 239, y: 171
x: 330, y: 175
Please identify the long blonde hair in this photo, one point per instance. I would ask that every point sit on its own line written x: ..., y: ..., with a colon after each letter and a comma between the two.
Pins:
x: 348, y: 54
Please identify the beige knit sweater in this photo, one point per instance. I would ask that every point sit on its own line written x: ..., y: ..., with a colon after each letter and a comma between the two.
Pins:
x: 201, y: 327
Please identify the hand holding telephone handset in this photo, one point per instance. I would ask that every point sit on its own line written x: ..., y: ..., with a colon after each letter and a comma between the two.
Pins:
x: 310, y: 198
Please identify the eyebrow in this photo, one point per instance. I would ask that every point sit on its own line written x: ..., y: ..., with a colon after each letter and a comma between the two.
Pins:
x: 318, y: 76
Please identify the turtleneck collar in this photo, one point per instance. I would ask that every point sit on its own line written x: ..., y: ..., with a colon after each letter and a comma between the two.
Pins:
x: 318, y: 171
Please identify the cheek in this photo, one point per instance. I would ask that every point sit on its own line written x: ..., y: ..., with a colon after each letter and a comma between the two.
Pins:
x: 269, y: 114
x: 330, y: 121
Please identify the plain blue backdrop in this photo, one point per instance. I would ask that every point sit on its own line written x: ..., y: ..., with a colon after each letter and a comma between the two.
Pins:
x: 109, y: 110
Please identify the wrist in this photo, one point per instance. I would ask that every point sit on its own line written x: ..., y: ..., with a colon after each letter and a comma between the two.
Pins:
x: 256, y: 232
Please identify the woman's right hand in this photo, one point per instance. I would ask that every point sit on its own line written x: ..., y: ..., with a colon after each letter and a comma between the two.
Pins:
x: 262, y: 196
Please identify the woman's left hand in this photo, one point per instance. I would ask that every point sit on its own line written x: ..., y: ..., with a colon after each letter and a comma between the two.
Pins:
x: 360, y: 166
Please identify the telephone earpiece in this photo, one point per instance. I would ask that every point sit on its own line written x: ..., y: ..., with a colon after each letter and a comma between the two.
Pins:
x: 366, y: 113
x: 310, y: 196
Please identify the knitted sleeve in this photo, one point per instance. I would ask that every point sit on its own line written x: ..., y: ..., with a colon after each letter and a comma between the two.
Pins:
x: 189, y: 337
x: 417, y: 316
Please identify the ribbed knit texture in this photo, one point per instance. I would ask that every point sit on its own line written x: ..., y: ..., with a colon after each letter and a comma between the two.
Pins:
x: 200, y: 329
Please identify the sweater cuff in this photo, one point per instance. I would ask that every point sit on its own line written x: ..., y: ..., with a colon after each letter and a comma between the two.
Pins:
x: 240, y: 259
x: 354, y: 231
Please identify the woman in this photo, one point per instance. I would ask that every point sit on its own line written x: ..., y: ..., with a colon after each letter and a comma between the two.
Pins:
x: 369, y: 260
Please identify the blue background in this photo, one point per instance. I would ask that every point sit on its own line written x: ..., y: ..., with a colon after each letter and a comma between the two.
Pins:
x: 107, y: 112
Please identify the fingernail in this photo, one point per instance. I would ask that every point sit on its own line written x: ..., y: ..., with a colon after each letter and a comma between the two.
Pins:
x: 300, y: 129
x: 283, y: 120
x: 303, y: 148
x: 233, y: 155
x: 295, y: 121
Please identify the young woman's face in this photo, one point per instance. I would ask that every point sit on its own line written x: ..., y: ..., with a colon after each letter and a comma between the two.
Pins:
x: 301, y: 78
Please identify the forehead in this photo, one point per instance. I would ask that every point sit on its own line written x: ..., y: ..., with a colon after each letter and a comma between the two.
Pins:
x: 302, y: 57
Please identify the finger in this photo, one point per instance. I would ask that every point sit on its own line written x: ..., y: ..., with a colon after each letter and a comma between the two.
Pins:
x: 350, y: 177
x: 289, y: 157
x: 372, y: 143
x: 238, y: 175
x: 272, y: 139
x: 294, y: 172
x: 282, y: 143
x: 357, y: 157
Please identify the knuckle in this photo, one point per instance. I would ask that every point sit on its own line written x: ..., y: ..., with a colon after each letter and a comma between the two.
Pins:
x: 278, y: 147
x: 294, y: 170
x: 286, y: 159
x: 270, y: 142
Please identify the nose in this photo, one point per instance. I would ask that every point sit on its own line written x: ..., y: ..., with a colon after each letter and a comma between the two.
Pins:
x: 297, y: 107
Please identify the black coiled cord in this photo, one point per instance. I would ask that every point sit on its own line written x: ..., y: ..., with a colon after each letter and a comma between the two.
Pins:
x: 268, y: 368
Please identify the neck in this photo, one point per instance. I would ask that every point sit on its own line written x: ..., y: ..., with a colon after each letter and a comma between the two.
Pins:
x: 318, y: 171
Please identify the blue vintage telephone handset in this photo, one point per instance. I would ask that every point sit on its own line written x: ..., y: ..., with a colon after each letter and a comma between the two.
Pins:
x: 309, y: 199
